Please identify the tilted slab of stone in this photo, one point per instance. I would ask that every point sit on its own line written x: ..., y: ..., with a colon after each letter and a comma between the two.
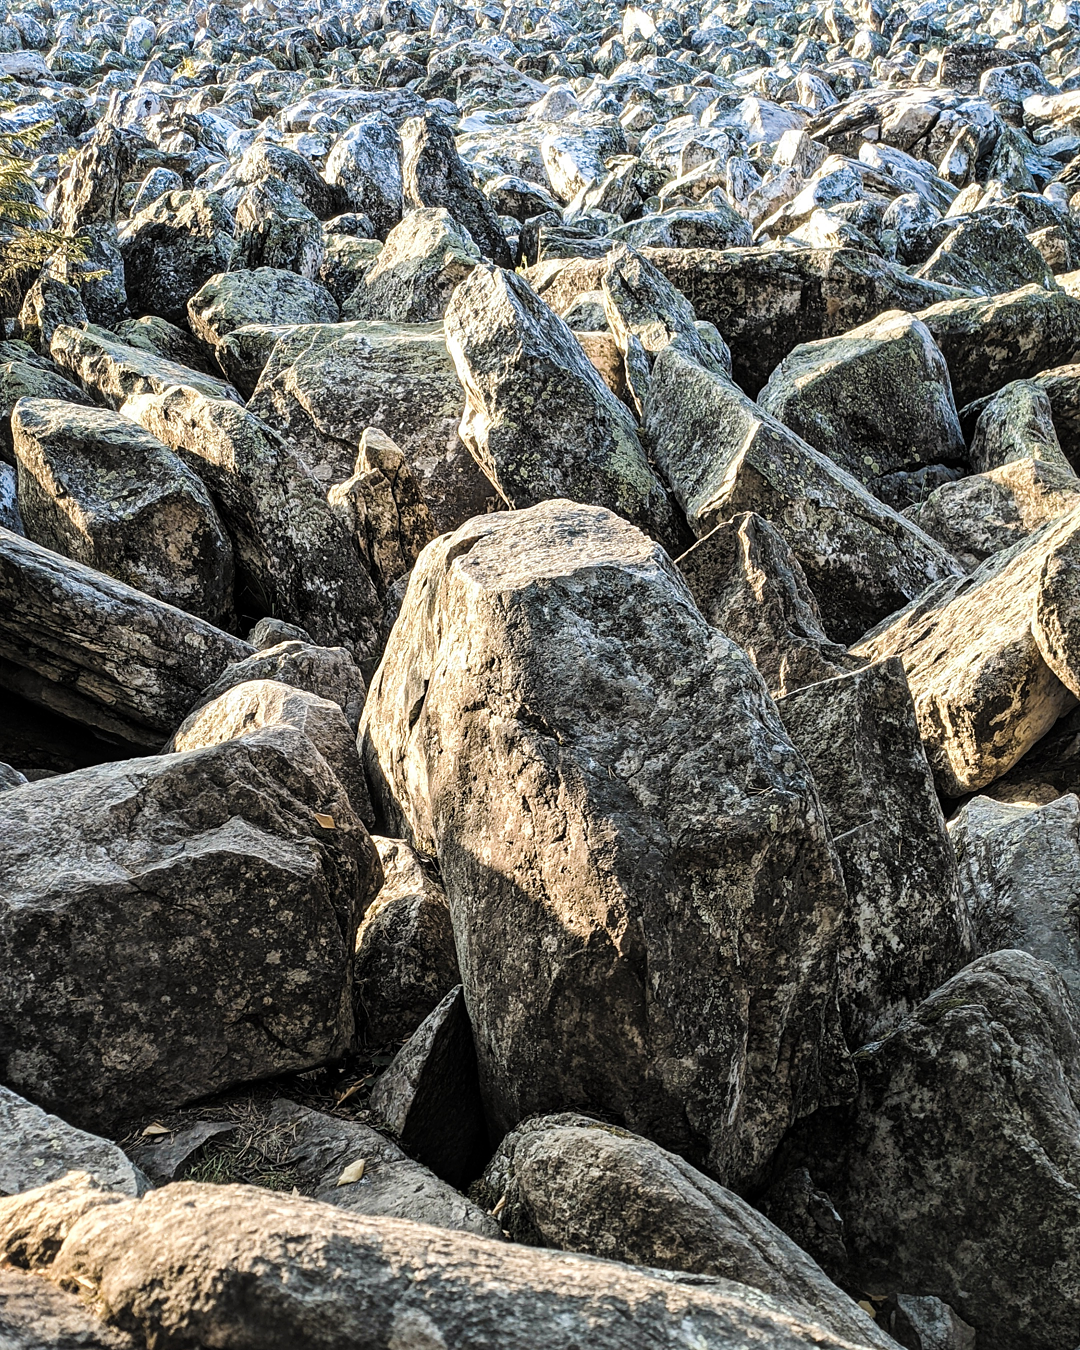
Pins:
x: 39, y: 1148
x: 116, y: 372
x: 265, y: 295
x: 1016, y: 423
x: 411, y: 281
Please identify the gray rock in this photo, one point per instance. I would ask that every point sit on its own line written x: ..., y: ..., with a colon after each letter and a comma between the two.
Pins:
x: 30, y: 376
x: 35, y: 1314
x: 405, y: 958
x: 538, y: 417
x: 90, y: 190
x: 266, y: 295
x: 271, y: 632
x: 327, y: 672
x: 1016, y: 423
x: 10, y: 778
x: 906, y: 928
x: 275, y: 229
x: 748, y: 583
x: 722, y: 455
x: 164, y: 1159
x: 718, y: 228
x: 244, y: 353
x: 266, y: 161
x: 365, y: 163
x: 578, y: 1185
x: 423, y: 259
x: 99, y: 275
x: 153, y: 334
x: 104, y: 492
x: 611, y: 714
x: 115, y: 371
x: 987, y: 256
x: 39, y: 1148
x: 48, y: 303
x: 129, y: 984
x: 925, y: 1324
x: 171, y: 248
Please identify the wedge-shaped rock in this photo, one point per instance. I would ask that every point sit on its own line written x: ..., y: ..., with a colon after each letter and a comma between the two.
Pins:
x: 93, y: 649
x: 906, y: 930
x: 289, y: 544
x: 24, y: 374
x: 275, y: 229
x: 634, y: 880
x: 265, y: 295
x: 115, y: 372
x: 1016, y: 423
x: 423, y: 259
x: 39, y: 1148
x: 1020, y: 878
x: 406, y: 963
x: 993, y: 659
x: 766, y: 301
x: 327, y: 672
x: 987, y: 256
x: 143, y: 962
x: 365, y: 164
x: 722, y: 455
x: 578, y: 1185
x: 180, y: 1263
x: 749, y: 584
x: 539, y: 419
x: 324, y: 384
x: 171, y: 248
x: 877, y: 400
x: 957, y: 1172
x: 320, y: 1149
x: 154, y: 334
x: 989, y: 342
x: 97, y: 488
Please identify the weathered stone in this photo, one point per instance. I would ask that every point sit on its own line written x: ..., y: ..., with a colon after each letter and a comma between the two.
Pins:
x: 423, y: 259
x: 154, y: 334
x: 906, y: 930
x: 264, y: 160
x: 365, y: 163
x: 35, y: 1314
x: 266, y: 295
x: 115, y: 371
x: 165, y: 1159
x: 579, y: 1185
x: 327, y: 672
x: 405, y: 958
x: 877, y: 400
x: 39, y: 1148
x: 446, y: 737
x: 275, y: 229
x: 1016, y: 423
x: 104, y: 492
x: 48, y: 303
x: 538, y: 418
x: 171, y: 248
x: 142, y: 965
x: 991, y: 659
x: 243, y: 354
x: 30, y: 376
x: 93, y: 649
x: 748, y: 583
x: 722, y: 455
x: 925, y: 1324
x: 90, y: 190
x: 987, y: 256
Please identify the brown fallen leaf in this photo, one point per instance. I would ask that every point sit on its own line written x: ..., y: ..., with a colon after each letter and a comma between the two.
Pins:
x: 155, y: 1129
x: 327, y: 822
x: 497, y: 1211
x: 868, y: 1307
x: 351, y: 1092
x: 354, y: 1172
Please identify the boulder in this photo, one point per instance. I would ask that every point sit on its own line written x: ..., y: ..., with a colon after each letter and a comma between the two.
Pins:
x: 104, y: 492
x: 990, y: 659
x: 987, y: 256
x: 433, y: 174
x: 26, y: 375
x: 161, y: 338
x: 143, y: 966
x: 925, y: 1324
x: 90, y: 189
x: 91, y: 648
x: 365, y: 163
x: 171, y: 248
x: 324, y: 384
x: 877, y: 401
x: 321, y: 1147
x: 326, y: 672
x: 423, y: 259
x: 570, y: 724
x: 748, y: 583
x: 243, y: 353
x: 266, y: 295
x: 1015, y: 424
x: 115, y: 371
x: 275, y: 229
x: 1019, y: 867
x: 538, y: 417
x: 906, y: 930
x: 39, y: 1148
x: 580, y: 1185
x: 723, y: 455
x: 180, y: 1262
x: 264, y: 161
x: 405, y: 958
x: 34, y: 1314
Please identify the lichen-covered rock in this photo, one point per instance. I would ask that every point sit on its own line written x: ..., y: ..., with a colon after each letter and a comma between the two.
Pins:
x: 423, y: 259
x: 39, y: 1148
x: 906, y: 929
x: 365, y: 163
x: 99, y: 489
x: 275, y: 229
x: 877, y: 400
x: 992, y: 659
x: 171, y: 248
x: 266, y: 295
x: 538, y: 418
x: 578, y: 1185
x: 90, y: 190
x: 987, y: 256
x: 722, y: 455
x: 1016, y: 423
x: 115, y: 371
x: 25, y: 375
x: 405, y: 958
x: 748, y: 583
x: 516, y: 687
x: 265, y: 160
x: 244, y: 353
x: 154, y: 334
x: 142, y: 965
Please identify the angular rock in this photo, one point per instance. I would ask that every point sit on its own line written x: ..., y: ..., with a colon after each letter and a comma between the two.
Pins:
x: 171, y: 248
x: 104, y: 492
x: 987, y: 256
x: 39, y: 1148
x: 142, y: 966
x: 35, y: 1314
x: 26, y: 375
x: 539, y: 419
x: 423, y: 259
x: 925, y: 1324
x: 266, y: 295
x: 165, y: 1159
x: 275, y: 229
x: 161, y: 338
x: 749, y: 584
x: 722, y: 455
x: 1016, y: 423
x: 405, y: 958
x: 244, y: 353
x: 90, y: 191
x: 115, y: 371
x: 365, y: 163
x: 278, y: 163
x: 549, y: 594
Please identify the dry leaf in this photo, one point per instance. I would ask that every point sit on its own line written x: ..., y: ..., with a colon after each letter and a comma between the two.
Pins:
x: 156, y: 1128
x: 497, y: 1211
x: 868, y: 1307
x: 350, y: 1092
x: 327, y: 822
x: 353, y: 1172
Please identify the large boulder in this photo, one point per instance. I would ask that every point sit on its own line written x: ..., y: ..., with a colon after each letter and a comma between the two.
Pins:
x: 275, y: 229
x: 39, y: 1148
x: 181, y: 1262
x: 115, y: 371
x: 24, y: 374
x: 265, y: 160
x: 906, y: 929
x: 101, y: 490
x: 411, y: 281
x: 142, y: 964
x: 266, y: 295
x: 722, y: 455
x: 93, y: 649
x: 877, y: 401
x: 171, y: 248
x: 991, y: 659
x: 987, y: 256
x: 324, y: 384
x: 538, y: 417
x: 581, y: 717
x: 1016, y: 423
x: 365, y: 164
x: 579, y: 1185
